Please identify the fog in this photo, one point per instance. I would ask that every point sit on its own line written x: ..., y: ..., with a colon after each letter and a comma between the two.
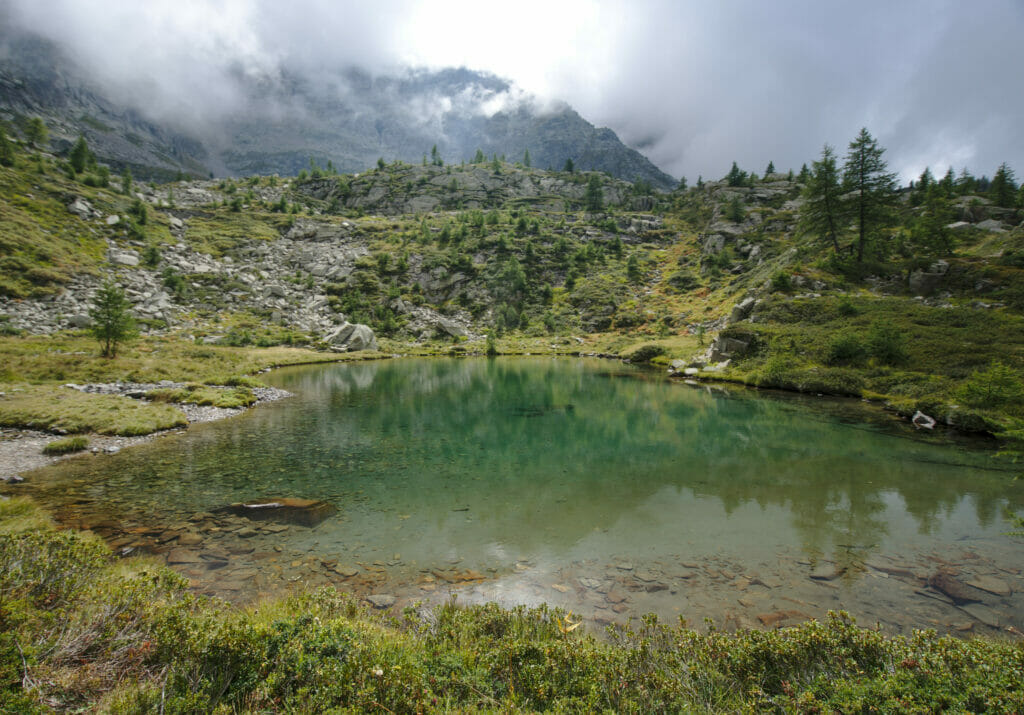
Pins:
x: 692, y: 85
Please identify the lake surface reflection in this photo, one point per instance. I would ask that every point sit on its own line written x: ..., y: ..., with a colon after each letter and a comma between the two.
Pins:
x: 592, y: 485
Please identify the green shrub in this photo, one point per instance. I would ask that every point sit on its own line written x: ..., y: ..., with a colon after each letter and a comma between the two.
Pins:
x: 781, y: 283
x: 645, y: 353
x: 67, y: 445
x: 845, y: 348
x: 683, y: 280
x: 846, y: 308
x: 998, y: 387
x: 885, y: 343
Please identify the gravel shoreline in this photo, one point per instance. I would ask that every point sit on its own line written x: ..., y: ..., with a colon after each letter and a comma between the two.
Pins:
x: 21, y: 450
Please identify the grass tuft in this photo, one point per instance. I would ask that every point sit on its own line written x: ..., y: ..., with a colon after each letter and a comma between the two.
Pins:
x: 67, y: 445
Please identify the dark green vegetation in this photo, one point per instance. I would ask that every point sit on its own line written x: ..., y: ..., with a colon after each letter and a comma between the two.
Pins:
x: 113, y: 323
x: 80, y: 629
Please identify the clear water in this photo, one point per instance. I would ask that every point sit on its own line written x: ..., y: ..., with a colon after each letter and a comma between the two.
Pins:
x: 587, y: 484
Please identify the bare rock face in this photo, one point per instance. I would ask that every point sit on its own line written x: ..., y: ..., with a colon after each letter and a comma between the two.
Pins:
x: 350, y: 337
x: 306, y: 512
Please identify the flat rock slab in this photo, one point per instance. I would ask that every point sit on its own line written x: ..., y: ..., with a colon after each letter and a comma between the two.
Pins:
x: 985, y: 583
x: 381, y: 600
x: 949, y: 585
x: 305, y: 512
x: 984, y: 614
x: 183, y: 556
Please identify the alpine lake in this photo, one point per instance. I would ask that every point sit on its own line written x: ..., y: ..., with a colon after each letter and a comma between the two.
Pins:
x: 603, y: 488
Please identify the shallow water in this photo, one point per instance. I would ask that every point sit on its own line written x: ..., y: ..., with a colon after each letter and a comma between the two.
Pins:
x: 588, y: 484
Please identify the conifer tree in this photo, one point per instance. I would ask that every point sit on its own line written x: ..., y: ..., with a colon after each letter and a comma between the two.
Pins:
x: 1003, y: 187
x: 822, y: 213
x: 36, y: 132
x: 126, y: 181
x: 594, y: 198
x: 569, y: 166
x: 873, y: 188
x: 112, y: 321
x: 803, y: 175
x: 770, y: 169
x: 526, y: 158
x: 6, y: 149
x: 479, y: 158
x: 79, y: 155
x: 920, y: 189
x: 736, y: 177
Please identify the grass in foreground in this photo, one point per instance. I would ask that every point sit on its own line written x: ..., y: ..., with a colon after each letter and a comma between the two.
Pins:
x: 81, y: 630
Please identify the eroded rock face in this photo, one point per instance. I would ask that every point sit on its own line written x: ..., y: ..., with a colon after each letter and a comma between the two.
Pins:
x: 306, y: 512
x: 351, y: 337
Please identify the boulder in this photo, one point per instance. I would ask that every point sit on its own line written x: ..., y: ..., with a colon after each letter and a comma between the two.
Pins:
x: 946, y: 584
x: 925, y: 283
x: 123, y: 258
x: 351, y: 337
x: 727, y: 347
x: 381, y: 600
x: 991, y: 225
x: 81, y: 208
x: 80, y: 321
x: 713, y: 244
x: 306, y: 512
x: 742, y: 310
x: 113, y: 220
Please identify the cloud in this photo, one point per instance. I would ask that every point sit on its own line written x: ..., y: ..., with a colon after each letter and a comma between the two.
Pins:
x: 695, y: 85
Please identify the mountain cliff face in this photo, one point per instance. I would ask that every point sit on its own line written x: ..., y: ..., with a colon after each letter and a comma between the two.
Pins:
x: 348, y: 118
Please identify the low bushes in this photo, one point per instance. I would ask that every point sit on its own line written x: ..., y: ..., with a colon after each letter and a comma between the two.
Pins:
x: 80, y: 630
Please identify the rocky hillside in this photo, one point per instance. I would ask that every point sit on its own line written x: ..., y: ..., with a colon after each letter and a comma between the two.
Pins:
x: 718, y: 279
x: 348, y: 120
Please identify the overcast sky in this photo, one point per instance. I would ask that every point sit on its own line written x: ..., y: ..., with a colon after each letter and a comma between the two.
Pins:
x: 694, y: 85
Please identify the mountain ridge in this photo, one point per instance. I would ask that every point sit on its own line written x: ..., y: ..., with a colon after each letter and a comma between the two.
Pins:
x: 348, y: 118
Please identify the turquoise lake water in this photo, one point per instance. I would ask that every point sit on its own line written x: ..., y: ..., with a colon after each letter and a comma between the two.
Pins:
x: 593, y: 485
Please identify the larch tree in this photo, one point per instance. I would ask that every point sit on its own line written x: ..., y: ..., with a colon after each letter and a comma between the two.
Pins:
x: 823, y: 206
x: 872, y: 188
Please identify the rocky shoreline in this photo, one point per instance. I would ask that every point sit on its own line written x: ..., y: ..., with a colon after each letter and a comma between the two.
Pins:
x: 21, y: 450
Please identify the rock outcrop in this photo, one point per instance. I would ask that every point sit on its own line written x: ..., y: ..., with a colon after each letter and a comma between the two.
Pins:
x: 351, y: 337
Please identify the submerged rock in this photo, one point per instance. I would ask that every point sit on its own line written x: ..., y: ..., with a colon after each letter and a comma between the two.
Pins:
x: 991, y: 584
x: 306, y: 512
x: 947, y: 584
x: 381, y: 600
